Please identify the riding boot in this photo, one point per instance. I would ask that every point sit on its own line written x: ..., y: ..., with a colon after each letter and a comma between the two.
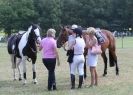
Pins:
x: 73, y: 81
x: 80, y: 81
x: 54, y: 86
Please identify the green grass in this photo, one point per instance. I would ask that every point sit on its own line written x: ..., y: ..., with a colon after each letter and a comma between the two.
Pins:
x: 109, y: 85
x: 2, y: 33
x: 126, y: 42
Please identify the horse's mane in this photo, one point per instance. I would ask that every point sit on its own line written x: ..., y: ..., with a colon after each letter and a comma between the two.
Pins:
x: 21, y: 32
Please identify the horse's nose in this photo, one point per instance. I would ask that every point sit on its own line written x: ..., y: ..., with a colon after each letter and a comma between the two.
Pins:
x: 38, y: 40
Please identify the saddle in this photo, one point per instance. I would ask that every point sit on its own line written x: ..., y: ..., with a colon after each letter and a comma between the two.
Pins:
x: 100, y: 36
x: 16, y: 42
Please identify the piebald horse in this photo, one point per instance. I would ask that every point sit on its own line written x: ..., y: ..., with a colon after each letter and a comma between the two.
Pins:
x: 108, y: 44
x: 23, y: 46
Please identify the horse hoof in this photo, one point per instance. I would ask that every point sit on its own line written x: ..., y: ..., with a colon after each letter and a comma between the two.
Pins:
x: 14, y: 79
x: 104, y: 75
x: 117, y: 74
x: 24, y: 82
x: 35, y: 82
x: 20, y: 79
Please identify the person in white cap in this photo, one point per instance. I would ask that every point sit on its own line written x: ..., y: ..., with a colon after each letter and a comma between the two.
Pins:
x: 74, y: 26
x: 71, y: 39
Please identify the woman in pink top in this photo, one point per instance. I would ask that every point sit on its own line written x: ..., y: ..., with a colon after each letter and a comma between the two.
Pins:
x: 49, y: 56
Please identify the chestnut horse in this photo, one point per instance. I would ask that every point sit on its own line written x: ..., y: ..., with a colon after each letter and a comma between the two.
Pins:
x: 109, y: 44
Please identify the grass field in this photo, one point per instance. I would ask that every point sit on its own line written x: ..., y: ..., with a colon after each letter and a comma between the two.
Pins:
x: 109, y: 85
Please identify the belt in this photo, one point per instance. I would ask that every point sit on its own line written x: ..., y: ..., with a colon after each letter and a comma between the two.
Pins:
x: 78, y: 54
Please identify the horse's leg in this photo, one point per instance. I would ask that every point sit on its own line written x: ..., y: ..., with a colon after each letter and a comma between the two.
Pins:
x: 105, y: 63
x: 19, y: 68
x: 24, y: 69
x: 85, y: 75
x: 34, y: 70
x: 115, y: 60
x: 13, y: 66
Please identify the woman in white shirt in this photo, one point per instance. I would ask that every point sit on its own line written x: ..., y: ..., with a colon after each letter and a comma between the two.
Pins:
x: 78, y: 59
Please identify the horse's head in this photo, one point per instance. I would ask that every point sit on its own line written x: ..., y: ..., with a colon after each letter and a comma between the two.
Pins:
x: 63, y: 36
x: 34, y: 32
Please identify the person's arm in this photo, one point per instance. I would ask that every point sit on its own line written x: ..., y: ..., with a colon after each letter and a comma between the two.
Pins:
x: 73, y: 43
x: 56, y: 52
x: 90, y: 42
x: 57, y: 56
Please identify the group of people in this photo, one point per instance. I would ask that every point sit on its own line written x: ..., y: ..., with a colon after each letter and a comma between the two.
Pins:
x: 75, y: 52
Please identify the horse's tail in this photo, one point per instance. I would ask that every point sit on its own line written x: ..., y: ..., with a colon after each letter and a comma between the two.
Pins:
x: 111, y: 59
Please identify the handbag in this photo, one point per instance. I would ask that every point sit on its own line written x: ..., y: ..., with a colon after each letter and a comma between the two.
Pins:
x: 96, y: 49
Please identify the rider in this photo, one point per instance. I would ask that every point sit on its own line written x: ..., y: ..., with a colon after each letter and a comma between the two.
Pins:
x: 71, y: 40
x: 78, y: 59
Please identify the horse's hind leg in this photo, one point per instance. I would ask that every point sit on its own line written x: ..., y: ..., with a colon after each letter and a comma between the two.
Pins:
x: 117, y: 68
x: 115, y: 60
x: 13, y: 66
x: 19, y: 68
x: 24, y: 69
x: 34, y: 70
x: 105, y: 63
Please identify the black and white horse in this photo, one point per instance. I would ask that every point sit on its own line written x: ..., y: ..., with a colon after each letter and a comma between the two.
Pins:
x: 23, y: 46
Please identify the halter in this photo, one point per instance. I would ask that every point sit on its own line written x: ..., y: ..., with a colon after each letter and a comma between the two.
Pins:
x: 35, y: 37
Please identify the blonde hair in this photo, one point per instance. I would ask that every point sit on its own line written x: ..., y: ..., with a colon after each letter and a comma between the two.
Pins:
x: 91, y: 30
x: 51, y: 32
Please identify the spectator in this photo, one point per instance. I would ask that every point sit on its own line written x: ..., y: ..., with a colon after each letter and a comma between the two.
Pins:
x: 91, y: 40
x: 49, y: 56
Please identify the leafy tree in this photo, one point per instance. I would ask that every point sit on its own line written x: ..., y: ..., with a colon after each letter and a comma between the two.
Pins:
x: 16, y: 15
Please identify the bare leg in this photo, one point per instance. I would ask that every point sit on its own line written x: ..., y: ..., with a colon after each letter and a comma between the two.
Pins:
x: 96, y: 77
x: 92, y: 76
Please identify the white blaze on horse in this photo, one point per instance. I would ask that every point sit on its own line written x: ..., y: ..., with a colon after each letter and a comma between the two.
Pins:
x: 23, y: 46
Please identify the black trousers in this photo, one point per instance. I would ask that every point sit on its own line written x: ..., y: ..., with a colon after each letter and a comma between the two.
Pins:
x: 50, y: 65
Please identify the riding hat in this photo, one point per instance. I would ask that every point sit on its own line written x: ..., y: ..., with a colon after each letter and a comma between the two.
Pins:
x: 78, y: 31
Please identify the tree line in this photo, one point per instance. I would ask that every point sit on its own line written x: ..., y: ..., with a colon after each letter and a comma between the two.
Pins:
x: 109, y: 14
